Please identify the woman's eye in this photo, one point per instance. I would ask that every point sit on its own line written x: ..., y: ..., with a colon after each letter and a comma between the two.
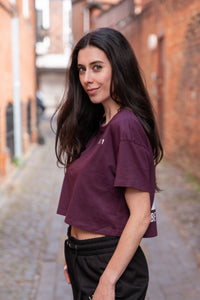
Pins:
x: 97, y: 67
x: 81, y: 69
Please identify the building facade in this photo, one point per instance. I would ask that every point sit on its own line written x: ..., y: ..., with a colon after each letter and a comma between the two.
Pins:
x: 88, y: 15
x: 18, y: 120
x: 166, y: 38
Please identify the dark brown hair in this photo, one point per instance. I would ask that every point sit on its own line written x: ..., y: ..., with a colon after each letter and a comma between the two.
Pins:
x: 78, y: 118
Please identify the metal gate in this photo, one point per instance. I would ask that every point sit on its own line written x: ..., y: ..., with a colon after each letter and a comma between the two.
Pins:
x: 10, y: 129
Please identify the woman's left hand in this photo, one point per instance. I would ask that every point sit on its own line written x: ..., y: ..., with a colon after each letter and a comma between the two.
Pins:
x: 104, y: 291
x: 66, y: 273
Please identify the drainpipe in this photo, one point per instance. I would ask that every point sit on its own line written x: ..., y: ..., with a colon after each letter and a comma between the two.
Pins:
x: 16, y: 83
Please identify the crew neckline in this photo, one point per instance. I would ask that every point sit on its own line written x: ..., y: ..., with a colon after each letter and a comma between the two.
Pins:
x: 103, y: 127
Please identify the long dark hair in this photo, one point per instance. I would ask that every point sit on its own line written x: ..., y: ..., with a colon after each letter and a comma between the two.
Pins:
x: 78, y: 118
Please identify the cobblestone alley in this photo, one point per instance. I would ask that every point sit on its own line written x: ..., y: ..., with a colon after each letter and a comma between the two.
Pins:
x: 32, y: 235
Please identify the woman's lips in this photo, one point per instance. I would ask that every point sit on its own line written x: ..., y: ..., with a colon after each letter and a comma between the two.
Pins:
x: 92, y: 91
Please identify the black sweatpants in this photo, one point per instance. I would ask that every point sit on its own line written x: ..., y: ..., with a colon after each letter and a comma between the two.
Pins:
x: 87, y: 259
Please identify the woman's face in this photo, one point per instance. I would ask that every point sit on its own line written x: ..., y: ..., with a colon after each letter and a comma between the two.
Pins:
x: 95, y: 74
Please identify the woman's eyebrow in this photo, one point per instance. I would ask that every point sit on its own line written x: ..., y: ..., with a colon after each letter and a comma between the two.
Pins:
x: 92, y: 63
x: 97, y: 62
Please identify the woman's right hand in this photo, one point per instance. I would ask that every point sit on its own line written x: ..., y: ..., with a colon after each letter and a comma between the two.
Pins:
x: 66, y: 273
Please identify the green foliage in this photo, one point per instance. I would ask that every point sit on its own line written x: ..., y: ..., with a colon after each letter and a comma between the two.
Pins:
x: 16, y: 161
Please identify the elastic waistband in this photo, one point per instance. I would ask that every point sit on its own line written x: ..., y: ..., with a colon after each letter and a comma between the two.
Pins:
x: 93, y: 246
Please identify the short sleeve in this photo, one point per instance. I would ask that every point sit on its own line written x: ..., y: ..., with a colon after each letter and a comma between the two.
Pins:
x: 133, y: 166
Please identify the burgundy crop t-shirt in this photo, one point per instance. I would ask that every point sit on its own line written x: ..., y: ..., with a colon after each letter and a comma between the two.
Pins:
x: 118, y: 156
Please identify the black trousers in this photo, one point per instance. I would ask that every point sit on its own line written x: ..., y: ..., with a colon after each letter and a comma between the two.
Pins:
x: 87, y: 259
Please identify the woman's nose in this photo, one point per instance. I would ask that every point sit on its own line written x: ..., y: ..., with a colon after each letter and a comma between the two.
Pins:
x: 87, y: 77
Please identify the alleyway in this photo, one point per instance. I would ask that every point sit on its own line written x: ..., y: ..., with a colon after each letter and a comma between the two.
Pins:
x: 32, y: 235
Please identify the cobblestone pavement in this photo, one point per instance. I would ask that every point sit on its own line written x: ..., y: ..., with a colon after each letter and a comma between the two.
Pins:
x: 32, y: 235
x: 174, y: 256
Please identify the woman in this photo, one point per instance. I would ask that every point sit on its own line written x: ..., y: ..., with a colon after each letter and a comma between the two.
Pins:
x: 108, y: 141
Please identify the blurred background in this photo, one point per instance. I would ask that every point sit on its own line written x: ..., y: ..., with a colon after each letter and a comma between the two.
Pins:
x: 36, y: 39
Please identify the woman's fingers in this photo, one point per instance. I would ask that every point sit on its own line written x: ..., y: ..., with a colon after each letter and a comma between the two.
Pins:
x: 66, y: 274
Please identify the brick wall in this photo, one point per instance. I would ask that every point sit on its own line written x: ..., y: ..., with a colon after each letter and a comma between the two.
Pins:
x: 5, y: 87
x: 172, y: 73
x: 27, y: 78
x: 88, y: 15
x: 112, y: 17
x: 28, y: 73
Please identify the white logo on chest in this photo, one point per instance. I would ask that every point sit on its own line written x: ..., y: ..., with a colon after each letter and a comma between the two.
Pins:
x: 101, y: 141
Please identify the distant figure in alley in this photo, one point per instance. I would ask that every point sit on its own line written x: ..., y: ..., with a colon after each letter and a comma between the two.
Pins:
x: 107, y: 140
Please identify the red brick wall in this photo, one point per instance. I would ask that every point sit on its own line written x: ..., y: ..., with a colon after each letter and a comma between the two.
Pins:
x: 105, y: 19
x: 6, y: 90
x: 178, y: 23
x: 27, y: 76
x: 28, y: 71
x: 115, y: 15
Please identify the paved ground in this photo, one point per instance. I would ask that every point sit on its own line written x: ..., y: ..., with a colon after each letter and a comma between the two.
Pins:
x: 32, y: 235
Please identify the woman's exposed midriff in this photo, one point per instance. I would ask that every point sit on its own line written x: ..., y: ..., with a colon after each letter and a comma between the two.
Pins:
x: 81, y: 234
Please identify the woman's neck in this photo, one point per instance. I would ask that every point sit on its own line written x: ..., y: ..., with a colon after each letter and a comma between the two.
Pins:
x: 110, y: 111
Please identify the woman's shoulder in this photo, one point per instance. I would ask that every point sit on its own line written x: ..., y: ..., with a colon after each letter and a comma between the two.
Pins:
x: 128, y: 126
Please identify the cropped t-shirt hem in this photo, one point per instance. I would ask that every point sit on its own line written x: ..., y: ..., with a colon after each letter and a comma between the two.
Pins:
x: 103, y: 231
x: 106, y: 231
x: 61, y: 212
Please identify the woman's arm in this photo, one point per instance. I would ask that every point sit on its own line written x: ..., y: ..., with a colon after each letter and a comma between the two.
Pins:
x: 140, y: 216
